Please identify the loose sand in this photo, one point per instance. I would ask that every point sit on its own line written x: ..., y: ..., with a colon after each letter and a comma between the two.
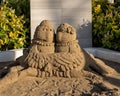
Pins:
x: 89, y: 84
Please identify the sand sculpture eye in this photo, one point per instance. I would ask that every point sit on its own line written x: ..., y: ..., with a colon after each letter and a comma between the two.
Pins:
x: 71, y: 32
x: 43, y: 29
x: 46, y: 29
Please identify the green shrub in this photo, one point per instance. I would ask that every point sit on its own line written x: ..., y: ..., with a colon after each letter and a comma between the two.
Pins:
x: 106, y: 24
x: 22, y: 7
x: 12, y: 29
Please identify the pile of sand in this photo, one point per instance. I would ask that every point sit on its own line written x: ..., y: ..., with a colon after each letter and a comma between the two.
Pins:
x: 89, y: 84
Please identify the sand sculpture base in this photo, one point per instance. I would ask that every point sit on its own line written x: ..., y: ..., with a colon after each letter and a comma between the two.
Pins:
x: 56, y: 55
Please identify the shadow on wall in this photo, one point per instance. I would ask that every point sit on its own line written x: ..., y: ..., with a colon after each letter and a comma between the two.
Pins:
x: 84, y: 34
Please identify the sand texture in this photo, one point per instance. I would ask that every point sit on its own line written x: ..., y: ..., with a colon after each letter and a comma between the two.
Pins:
x: 90, y: 84
x: 56, y: 65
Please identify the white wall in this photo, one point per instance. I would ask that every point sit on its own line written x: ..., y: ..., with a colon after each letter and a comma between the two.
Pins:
x: 75, y: 12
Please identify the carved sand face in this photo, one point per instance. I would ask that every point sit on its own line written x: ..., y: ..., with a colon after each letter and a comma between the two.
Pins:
x: 44, y: 31
x: 65, y: 33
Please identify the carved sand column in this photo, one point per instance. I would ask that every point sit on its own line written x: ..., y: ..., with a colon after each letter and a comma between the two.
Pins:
x: 68, y: 57
x: 39, y: 53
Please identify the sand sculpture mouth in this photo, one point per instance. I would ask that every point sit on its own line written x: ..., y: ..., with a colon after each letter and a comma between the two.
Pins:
x: 55, y: 55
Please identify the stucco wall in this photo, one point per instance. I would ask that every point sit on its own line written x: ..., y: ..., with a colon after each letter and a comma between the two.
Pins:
x: 75, y: 12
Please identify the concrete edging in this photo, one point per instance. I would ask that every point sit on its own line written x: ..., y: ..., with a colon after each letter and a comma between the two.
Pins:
x: 10, y: 55
x: 106, y: 54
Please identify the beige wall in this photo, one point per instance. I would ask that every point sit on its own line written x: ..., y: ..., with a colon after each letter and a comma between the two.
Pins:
x: 75, y: 12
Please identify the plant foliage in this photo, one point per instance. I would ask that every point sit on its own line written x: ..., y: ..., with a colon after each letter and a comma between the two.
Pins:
x: 12, y: 29
x: 106, y: 24
x: 22, y: 7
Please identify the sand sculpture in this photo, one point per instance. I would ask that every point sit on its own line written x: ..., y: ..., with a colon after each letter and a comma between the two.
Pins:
x: 51, y: 55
